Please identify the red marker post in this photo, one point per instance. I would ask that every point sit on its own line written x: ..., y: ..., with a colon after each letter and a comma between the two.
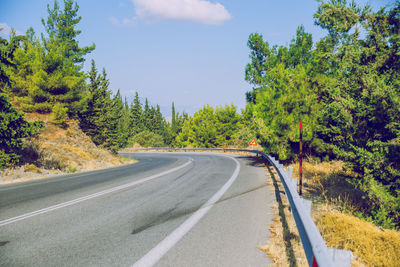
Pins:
x: 301, y: 159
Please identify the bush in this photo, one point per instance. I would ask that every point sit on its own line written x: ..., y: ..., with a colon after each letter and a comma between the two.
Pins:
x: 148, y: 139
x: 60, y: 115
x: 13, y: 128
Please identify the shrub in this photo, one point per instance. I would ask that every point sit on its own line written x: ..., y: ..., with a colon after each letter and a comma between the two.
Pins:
x: 148, y: 139
x: 13, y: 128
x: 60, y: 115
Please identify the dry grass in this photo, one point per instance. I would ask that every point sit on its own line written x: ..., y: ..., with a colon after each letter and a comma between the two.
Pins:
x: 32, y: 168
x: 56, y: 150
x: 284, y: 245
x: 327, y: 182
x: 327, y: 185
x: 372, y: 246
x: 337, y: 199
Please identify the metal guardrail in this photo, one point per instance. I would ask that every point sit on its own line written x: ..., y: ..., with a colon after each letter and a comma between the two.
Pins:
x: 317, y: 253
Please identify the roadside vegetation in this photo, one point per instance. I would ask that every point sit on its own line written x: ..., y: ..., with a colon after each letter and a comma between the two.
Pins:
x: 345, y: 88
x: 335, y: 201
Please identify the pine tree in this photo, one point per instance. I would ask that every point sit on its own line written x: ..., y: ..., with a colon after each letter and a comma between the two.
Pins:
x: 49, y: 71
x: 136, y: 124
x: 147, y: 116
x: 61, y: 29
x: 97, y: 118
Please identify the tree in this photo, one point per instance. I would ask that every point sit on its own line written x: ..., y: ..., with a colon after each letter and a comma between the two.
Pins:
x: 147, y: 116
x: 7, y: 49
x: 209, y: 127
x: 227, y: 120
x: 361, y: 114
x: 136, y: 124
x: 346, y: 89
x: 199, y: 130
x: 173, y: 120
x: 283, y: 93
x: 49, y: 71
x: 98, y: 115
x: 61, y: 29
x: 118, y: 134
x: 13, y: 128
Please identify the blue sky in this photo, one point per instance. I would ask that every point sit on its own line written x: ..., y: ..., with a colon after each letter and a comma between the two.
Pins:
x: 192, y: 52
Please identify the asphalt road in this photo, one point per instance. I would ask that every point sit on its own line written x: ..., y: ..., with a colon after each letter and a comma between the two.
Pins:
x: 169, y: 209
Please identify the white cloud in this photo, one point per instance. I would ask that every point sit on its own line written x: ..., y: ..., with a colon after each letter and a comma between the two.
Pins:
x: 123, y: 22
x: 6, y: 30
x: 199, y: 11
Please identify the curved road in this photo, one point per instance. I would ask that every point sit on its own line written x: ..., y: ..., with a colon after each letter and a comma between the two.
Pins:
x: 169, y: 209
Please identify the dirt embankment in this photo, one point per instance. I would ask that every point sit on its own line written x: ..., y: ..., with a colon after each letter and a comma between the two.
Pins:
x: 58, y: 151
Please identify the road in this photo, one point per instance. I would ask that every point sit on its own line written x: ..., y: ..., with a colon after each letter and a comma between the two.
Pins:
x: 169, y: 209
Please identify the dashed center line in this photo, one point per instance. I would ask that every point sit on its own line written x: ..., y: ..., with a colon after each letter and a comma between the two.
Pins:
x: 88, y: 197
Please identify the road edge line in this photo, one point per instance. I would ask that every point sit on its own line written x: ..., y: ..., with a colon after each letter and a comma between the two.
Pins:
x: 157, y: 252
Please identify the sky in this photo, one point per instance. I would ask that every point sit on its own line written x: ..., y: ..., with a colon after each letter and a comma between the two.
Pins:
x: 190, y: 52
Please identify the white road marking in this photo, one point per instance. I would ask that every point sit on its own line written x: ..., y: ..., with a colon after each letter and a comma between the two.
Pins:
x: 98, y: 194
x: 156, y: 253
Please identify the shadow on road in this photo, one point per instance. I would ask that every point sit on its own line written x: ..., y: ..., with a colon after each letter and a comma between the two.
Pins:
x: 287, y: 235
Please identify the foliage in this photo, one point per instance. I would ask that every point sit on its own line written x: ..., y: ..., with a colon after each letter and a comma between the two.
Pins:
x: 13, y: 128
x: 345, y: 89
x: 176, y: 126
x: 7, y: 49
x: 209, y: 127
x: 100, y: 114
x: 47, y: 71
x: 283, y: 93
x: 61, y: 29
x: 60, y: 115
x: 45, y: 75
x: 148, y: 139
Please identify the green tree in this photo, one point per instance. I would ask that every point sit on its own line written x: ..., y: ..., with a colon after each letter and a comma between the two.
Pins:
x: 99, y: 115
x: 60, y: 115
x: 147, y: 116
x: 48, y: 72
x: 361, y: 114
x: 345, y: 89
x: 226, y: 119
x: 61, y: 28
x: 118, y: 134
x: 7, y: 49
x: 136, y: 116
x: 199, y: 130
x: 13, y: 128
x: 283, y: 93
x: 209, y: 127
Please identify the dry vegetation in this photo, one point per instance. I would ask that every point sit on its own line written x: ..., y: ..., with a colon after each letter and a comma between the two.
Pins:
x: 334, y: 201
x: 57, y: 151
x: 373, y: 246
x: 284, y: 245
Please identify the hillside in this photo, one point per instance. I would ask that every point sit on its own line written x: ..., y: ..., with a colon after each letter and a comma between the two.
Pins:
x: 58, y: 151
